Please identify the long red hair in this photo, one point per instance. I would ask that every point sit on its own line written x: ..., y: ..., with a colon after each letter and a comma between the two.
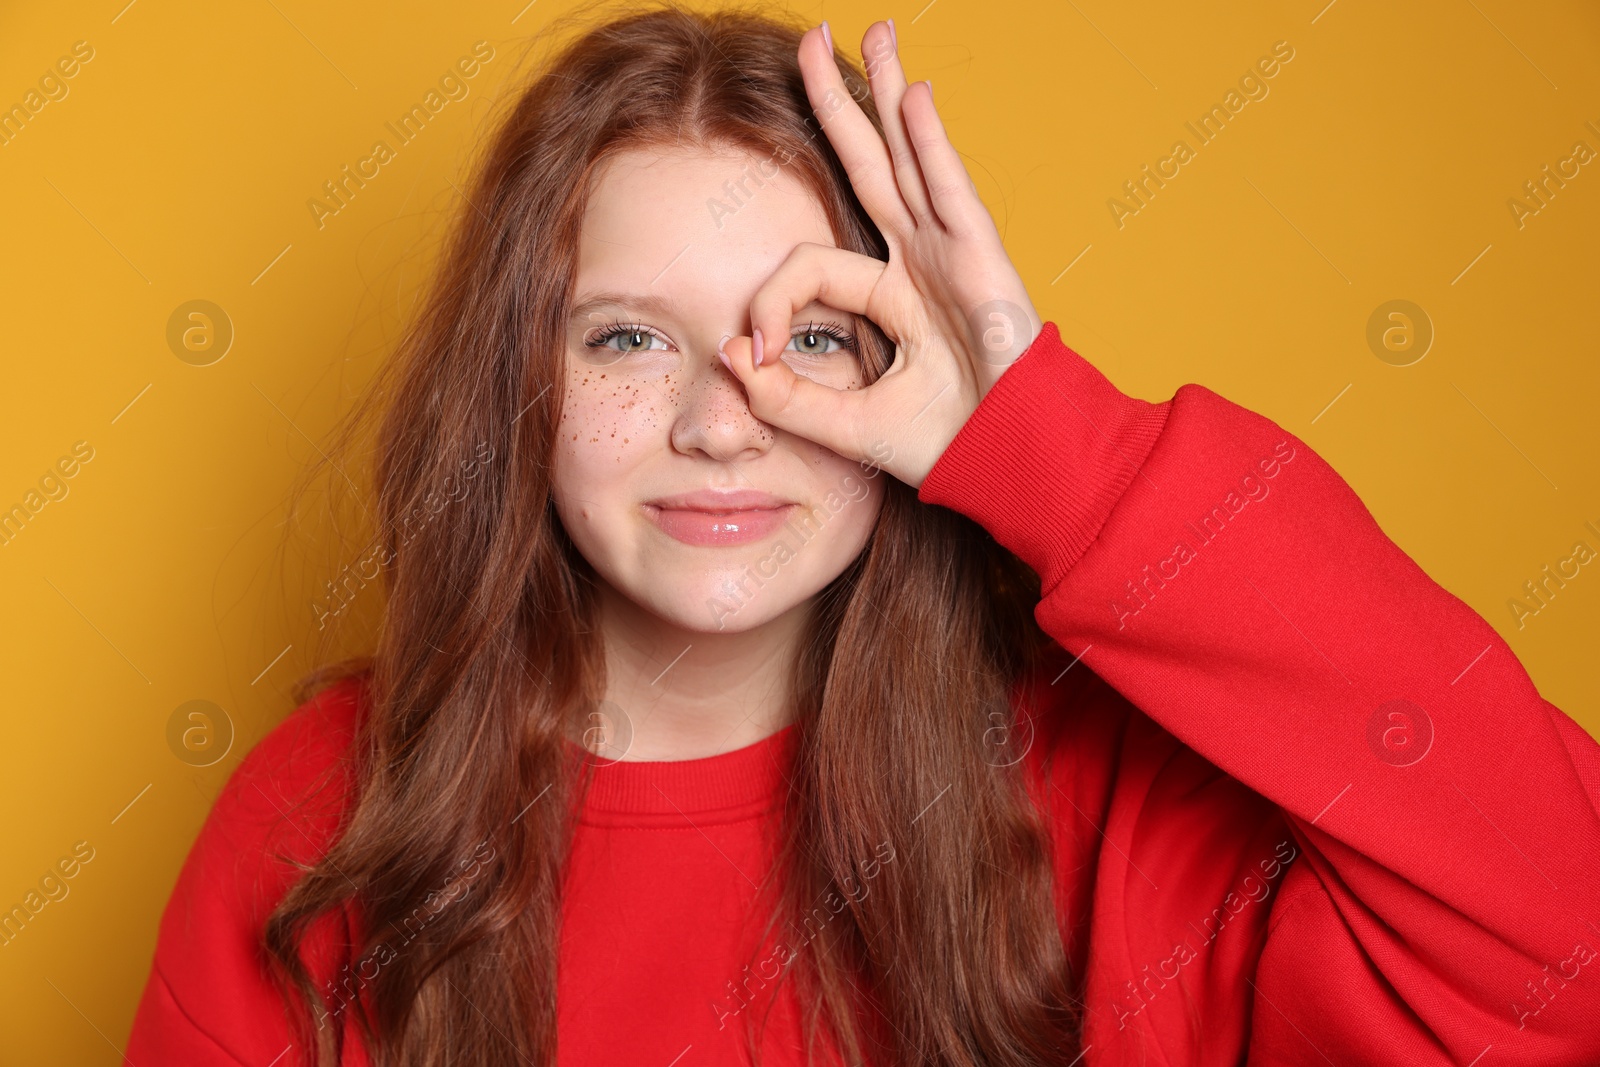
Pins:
x: 487, y: 653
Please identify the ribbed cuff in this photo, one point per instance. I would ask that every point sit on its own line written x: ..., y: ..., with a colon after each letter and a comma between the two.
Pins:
x: 1045, y: 456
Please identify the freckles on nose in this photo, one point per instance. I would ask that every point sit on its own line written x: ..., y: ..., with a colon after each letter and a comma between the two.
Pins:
x: 726, y: 408
x: 733, y: 416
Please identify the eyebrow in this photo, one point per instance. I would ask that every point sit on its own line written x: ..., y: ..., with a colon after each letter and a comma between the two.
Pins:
x: 657, y: 304
x: 649, y: 302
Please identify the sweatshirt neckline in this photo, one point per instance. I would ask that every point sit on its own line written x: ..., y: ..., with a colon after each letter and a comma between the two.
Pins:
x: 725, y: 787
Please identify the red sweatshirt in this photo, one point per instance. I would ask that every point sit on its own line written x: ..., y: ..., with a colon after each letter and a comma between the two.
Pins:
x: 1307, y: 806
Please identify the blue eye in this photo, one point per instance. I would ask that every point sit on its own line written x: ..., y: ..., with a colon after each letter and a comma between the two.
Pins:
x: 813, y: 340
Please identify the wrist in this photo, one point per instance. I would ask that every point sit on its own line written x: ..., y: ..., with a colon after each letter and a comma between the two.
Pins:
x: 1045, y: 457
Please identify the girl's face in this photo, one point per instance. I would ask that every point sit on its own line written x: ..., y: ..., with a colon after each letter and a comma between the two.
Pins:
x: 680, y: 498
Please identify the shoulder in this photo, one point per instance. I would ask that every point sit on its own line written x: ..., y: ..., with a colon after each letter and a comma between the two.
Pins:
x: 1111, y: 774
x: 302, y: 758
x: 1072, y: 721
x: 290, y: 790
x: 1104, y: 767
x: 277, y: 815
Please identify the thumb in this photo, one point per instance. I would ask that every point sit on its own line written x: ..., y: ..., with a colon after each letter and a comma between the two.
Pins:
x: 779, y: 397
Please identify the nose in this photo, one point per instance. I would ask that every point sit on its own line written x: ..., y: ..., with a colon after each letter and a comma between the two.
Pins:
x: 714, y: 418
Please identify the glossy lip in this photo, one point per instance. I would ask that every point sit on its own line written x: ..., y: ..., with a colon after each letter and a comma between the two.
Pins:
x: 719, y: 517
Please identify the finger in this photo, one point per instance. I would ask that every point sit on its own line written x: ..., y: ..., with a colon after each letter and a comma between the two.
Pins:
x: 780, y: 397
x: 881, y: 55
x: 815, y: 272
x: 955, y: 197
x: 855, y: 140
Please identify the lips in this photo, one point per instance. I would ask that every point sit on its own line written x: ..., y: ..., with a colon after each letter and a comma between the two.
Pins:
x: 719, y: 517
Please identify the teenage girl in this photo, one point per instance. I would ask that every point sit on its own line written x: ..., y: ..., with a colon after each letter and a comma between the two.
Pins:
x: 793, y: 649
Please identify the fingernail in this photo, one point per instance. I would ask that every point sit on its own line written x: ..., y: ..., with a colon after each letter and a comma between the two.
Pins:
x: 894, y: 36
x: 723, y: 355
x: 755, y: 340
x: 930, y: 87
x: 827, y: 35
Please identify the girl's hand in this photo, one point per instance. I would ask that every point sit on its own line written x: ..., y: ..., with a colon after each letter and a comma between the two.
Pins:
x: 948, y: 298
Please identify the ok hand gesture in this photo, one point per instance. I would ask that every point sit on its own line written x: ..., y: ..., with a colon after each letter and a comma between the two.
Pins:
x: 948, y: 297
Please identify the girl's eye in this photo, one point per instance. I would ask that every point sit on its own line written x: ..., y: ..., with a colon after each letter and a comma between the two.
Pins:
x: 813, y: 340
x: 633, y: 339
x: 613, y: 344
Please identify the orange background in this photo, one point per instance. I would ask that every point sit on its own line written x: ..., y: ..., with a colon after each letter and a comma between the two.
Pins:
x: 176, y: 164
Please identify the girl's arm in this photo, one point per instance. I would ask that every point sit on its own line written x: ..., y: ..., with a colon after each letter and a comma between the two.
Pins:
x: 1443, y: 903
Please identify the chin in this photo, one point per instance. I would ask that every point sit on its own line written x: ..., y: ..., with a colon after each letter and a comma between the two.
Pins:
x: 724, y: 601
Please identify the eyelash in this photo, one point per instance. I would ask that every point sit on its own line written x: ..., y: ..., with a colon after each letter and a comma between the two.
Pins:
x: 617, y: 329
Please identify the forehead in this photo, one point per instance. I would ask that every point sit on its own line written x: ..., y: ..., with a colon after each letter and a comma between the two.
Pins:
x: 688, y: 221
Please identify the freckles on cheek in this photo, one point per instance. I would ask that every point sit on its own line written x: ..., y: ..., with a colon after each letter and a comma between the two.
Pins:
x: 613, y: 414
x: 821, y: 455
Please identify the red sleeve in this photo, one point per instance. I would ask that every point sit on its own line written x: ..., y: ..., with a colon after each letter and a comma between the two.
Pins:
x: 210, y: 999
x: 1444, y: 895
